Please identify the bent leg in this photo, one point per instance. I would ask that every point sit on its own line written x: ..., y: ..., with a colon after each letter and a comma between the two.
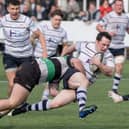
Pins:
x: 64, y: 97
x: 19, y: 95
x: 119, y: 62
x: 79, y: 82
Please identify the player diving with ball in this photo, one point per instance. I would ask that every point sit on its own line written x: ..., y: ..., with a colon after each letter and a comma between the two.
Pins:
x: 76, y: 83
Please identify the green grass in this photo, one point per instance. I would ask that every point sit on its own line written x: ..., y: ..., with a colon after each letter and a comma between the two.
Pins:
x: 108, y: 115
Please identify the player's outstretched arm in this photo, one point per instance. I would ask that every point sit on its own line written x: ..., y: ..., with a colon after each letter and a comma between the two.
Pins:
x: 69, y: 50
x: 107, y: 70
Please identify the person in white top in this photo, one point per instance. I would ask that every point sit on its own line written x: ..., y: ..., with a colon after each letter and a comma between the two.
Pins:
x: 18, y: 48
x: 54, y: 36
x: 76, y: 85
x: 116, y: 23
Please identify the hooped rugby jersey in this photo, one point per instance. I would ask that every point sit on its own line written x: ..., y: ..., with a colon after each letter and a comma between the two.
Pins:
x: 86, y: 51
x: 118, y: 24
x: 53, y: 38
x: 17, y: 35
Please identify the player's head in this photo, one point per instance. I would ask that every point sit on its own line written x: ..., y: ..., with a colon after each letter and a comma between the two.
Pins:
x: 56, y: 18
x: 13, y: 8
x: 118, y: 6
x: 103, y: 41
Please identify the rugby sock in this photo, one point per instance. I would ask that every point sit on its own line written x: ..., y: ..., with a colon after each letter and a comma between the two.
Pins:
x: 81, y: 95
x: 45, y: 94
x: 40, y: 106
x: 116, y: 81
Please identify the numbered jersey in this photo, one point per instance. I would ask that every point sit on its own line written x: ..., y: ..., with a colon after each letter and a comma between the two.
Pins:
x: 87, y: 50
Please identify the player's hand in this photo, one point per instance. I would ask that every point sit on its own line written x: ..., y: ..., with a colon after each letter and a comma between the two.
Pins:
x: 95, y: 60
x: 112, y: 34
x: 76, y: 63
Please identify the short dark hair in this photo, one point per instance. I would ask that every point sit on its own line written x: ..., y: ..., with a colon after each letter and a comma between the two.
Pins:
x: 100, y: 35
x: 13, y: 2
x: 102, y: 2
x: 57, y: 12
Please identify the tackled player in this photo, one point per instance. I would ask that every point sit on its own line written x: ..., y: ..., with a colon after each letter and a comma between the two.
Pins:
x: 77, y: 81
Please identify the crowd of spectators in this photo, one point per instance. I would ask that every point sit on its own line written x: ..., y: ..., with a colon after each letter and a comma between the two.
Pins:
x: 41, y: 9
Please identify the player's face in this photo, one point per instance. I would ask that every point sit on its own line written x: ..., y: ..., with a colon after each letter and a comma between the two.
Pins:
x: 103, y: 44
x: 118, y: 6
x: 56, y: 21
x: 14, y: 11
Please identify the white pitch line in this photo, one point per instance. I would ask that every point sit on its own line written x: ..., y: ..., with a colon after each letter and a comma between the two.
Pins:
x: 3, y: 81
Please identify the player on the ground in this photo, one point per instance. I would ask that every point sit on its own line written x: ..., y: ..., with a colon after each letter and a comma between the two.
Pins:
x: 116, y: 23
x: 41, y: 70
x: 72, y: 79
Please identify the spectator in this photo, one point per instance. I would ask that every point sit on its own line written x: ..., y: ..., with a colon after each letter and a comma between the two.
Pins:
x: 33, y: 5
x: 104, y: 8
x: 39, y: 12
x: 47, y: 5
x: 92, y: 13
x: 26, y: 9
x: 82, y: 16
x: 21, y: 5
x: 53, y: 8
x: 2, y: 10
x: 73, y: 9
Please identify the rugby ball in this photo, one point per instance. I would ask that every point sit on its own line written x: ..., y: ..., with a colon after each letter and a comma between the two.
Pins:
x: 94, y: 67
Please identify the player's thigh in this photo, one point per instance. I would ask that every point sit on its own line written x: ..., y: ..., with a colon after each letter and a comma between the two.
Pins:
x: 78, y: 79
x: 19, y: 95
x: 119, y: 59
x: 64, y: 97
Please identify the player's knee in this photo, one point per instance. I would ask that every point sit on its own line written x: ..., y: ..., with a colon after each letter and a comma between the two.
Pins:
x: 119, y: 68
x: 12, y: 104
x: 83, y: 80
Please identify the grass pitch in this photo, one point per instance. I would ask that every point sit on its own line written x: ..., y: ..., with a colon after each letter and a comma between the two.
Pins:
x: 107, y: 116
